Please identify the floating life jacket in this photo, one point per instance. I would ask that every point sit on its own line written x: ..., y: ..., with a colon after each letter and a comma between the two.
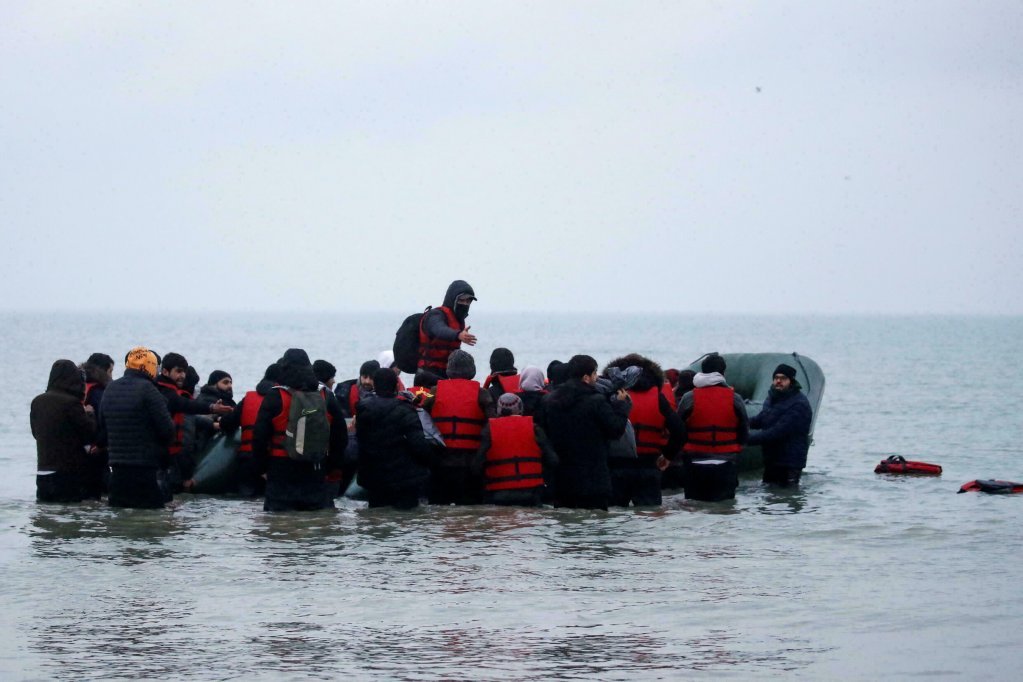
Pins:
x: 648, y: 422
x: 897, y: 464
x: 514, y: 460
x: 992, y: 486
x: 509, y: 383
x: 178, y: 418
x: 457, y: 413
x: 433, y: 353
x: 247, y: 420
x: 712, y: 427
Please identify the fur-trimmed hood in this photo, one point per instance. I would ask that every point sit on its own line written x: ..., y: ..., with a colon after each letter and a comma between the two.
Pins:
x: 653, y: 375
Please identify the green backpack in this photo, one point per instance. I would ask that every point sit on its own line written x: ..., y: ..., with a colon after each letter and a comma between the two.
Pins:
x: 307, y: 437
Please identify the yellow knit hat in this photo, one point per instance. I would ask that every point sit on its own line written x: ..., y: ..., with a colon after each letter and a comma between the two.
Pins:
x: 142, y: 359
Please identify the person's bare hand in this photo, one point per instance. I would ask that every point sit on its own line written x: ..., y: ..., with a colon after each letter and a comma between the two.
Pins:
x: 220, y: 408
x: 465, y: 337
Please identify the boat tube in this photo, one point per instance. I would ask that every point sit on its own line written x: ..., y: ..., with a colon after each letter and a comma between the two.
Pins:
x: 216, y: 472
x: 751, y: 374
x: 897, y: 464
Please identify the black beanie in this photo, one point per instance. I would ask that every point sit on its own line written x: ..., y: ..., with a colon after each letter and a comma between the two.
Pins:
x: 324, y: 371
x: 787, y: 370
x: 502, y: 360
x: 385, y: 382
x: 216, y: 375
x: 713, y: 363
x: 174, y: 361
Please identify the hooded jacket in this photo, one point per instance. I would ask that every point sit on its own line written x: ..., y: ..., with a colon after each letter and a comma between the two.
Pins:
x: 297, y: 374
x: 782, y: 428
x: 580, y: 424
x: 393, y: 451
x: 135, y: 422
x: 651, y: 377
x: 60, y: 424
x: 435, y: 325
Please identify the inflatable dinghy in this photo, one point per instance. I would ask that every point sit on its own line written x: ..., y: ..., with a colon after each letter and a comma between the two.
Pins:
x: 751, y: 374
x: 992, y: 486
x: 216, y: 472
x: 897, y: 464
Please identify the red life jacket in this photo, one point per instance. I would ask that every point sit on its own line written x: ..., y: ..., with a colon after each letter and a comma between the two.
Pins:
x: 247, y: 420
x: 509, y: 383
x: 177, y: 417
x: 457, y: 413
x: 712, y: 426
x: 280, y: 423
x: 648, y: 422
x: 353, y: 398
x: 669, y: 393
x: 433, y: 353
x: 89, y: 385
x: 514, y: 460
x: 897, y: 464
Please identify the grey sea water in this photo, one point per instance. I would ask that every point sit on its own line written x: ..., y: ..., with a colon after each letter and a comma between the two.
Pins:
x: 854, y: 576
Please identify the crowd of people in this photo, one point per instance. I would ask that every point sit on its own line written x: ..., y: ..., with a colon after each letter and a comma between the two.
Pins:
x: 578, y: 437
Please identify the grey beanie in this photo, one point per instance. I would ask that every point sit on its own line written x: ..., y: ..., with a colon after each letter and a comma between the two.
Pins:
x: 509, y: 404
x: 461, y: 365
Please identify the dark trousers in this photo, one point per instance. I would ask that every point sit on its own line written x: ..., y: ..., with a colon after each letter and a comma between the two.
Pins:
x: 526, y: 497
x: 785, y: 477
x: 401, y: 499
x: 138, y: 487
x: 583, y: 502
x: 639, y: 485
x: 250, y: 479
x: 674, y: 476
x: 296, y: 486
x: 711, y: 480
x: 455, y: 485
x: 61, y: 487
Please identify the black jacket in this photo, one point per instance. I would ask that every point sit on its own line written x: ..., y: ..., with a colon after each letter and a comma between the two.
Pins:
x: 60, y: 425
x: 783, y: 428
x: 580, y: 423
x: 393, y: 452
x: 135, y: 423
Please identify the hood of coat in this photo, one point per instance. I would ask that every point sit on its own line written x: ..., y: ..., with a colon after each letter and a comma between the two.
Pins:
x: 652, y: 376
x: 456, y: 289
x: 66, y: 377
x: 531, y: 379
x: 297, y: 371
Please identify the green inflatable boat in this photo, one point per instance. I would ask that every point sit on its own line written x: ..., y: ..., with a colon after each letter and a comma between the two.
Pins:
x: 750, y: 374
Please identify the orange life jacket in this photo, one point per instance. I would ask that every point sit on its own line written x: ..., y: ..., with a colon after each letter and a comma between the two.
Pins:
x: 177, y: 417
x: 457, y: 413
x: 433, y: 353
x: 648, y: 422
x: 247, y: 420
x: 514, y: 460
x: 280, y: 423
x: 712, y: 427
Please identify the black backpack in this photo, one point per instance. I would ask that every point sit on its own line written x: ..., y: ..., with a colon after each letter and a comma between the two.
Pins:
x: 406, y: 342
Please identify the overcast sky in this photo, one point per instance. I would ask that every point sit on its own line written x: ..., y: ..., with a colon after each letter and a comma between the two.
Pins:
x: 686, y: 157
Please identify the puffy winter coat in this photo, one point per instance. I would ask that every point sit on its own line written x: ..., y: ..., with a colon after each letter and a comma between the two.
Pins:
x: 782, y: 428
x: 136, y: 421
x: 393, y: 452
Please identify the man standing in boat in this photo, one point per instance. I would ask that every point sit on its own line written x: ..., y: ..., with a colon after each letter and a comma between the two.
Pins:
x: 443, y: 330
x: 782, y: 429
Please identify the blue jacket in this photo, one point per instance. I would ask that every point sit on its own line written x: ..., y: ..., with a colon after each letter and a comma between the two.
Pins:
x: 782, y: 429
